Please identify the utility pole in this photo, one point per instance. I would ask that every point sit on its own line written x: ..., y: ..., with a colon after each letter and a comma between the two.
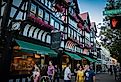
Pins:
x: 6, y: 40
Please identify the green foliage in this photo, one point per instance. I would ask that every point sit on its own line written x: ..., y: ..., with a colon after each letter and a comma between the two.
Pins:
x: 115, y: 45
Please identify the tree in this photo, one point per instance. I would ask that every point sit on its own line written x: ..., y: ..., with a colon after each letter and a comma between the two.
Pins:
x: 111, y: 39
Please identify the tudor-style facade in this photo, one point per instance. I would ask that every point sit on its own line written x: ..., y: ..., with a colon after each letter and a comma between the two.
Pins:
x: 32, y: 23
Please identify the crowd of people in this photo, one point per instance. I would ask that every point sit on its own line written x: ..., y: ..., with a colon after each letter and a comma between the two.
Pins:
x: 82, y: 73
x: 116, y: 71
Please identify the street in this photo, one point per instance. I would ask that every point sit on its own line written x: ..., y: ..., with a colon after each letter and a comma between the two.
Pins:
x: 105, y: 78
x: 102, y: 77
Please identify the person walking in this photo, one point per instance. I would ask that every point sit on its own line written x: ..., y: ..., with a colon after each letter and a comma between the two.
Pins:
x: 75, y: 70
x: 57, y: 74
x: 115, y: 72
x: 36, y: 75
x: 67, y: 73
x: 111, y: 71
x: 80, y: 75
x: 89, y: 74
x: 51, y: 71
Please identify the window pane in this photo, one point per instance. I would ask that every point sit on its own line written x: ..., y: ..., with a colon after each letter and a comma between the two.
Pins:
x: 42, y: 1
x: 49, y: 4
x: 40, y: 13
x: 52, y: 22
x: 46, y: 16
x: 17, y: 2
x: 78, y: 37
x: 13, y: 10
x: 33, y: 8
x: 61, y: 27
x: 56, y: 25
x: 46, y: 2
x: 68, y: 30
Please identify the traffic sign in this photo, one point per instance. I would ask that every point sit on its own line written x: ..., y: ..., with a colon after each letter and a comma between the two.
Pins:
x: 112, y: 12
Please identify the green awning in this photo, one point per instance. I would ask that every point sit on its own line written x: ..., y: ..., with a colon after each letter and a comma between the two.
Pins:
x: 36, y: 48
x: 90, y: 59
x: 73, y: 56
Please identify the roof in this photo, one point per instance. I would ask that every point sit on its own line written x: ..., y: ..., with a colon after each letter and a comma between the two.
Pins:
x: 84, y: 16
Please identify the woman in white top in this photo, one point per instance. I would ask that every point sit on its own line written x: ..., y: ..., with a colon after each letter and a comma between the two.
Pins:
x: 36, y: 75
x: 67, y: 73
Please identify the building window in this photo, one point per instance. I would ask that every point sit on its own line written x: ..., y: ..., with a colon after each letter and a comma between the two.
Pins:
x: 56, y: 25
x: 17, y: 2
x: 61, y: 28
x: 13, y: 11
x: 33, y: 8
x: 46, y: 17
x: 42, y: 1
x: 46, y: 2
x: 69, y: 30
x: 75, y: 34
x: 65, y: 30
x: 40, y: 13
x: 52, y: 22
x: 72, y: 32
x: 78, y: 37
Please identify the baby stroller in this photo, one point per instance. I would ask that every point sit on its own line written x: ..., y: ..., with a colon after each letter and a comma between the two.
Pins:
x: 45, y: 79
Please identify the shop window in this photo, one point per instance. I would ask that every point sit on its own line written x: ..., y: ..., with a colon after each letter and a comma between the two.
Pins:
x: 40, y: 13
x: 52, y: 22
x: 56, y: 25
x: 46, y: 17
x: 23, y: 62
x: 33, y: 8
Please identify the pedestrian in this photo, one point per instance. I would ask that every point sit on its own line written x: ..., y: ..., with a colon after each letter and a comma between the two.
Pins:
x: 89, y: 74
x: 51, y: 71
x: 75, y: 70
x: 36, y: 75
x: 115, y: 72
x: 67, y: 73
x: 111, y: 71
x: 34, y: 72
x: 80, y: 75
x: 57, y: 73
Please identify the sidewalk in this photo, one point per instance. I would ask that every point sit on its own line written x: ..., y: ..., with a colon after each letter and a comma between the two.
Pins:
x: 105, y: 77
x: 102, y: 77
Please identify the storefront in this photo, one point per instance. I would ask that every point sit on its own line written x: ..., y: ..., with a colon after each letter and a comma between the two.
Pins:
x: 25, y: 56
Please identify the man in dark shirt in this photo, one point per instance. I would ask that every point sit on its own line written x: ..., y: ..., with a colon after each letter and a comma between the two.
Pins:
x: 89, y: 74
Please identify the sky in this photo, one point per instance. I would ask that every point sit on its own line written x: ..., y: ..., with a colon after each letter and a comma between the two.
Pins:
x: 94, y: 8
